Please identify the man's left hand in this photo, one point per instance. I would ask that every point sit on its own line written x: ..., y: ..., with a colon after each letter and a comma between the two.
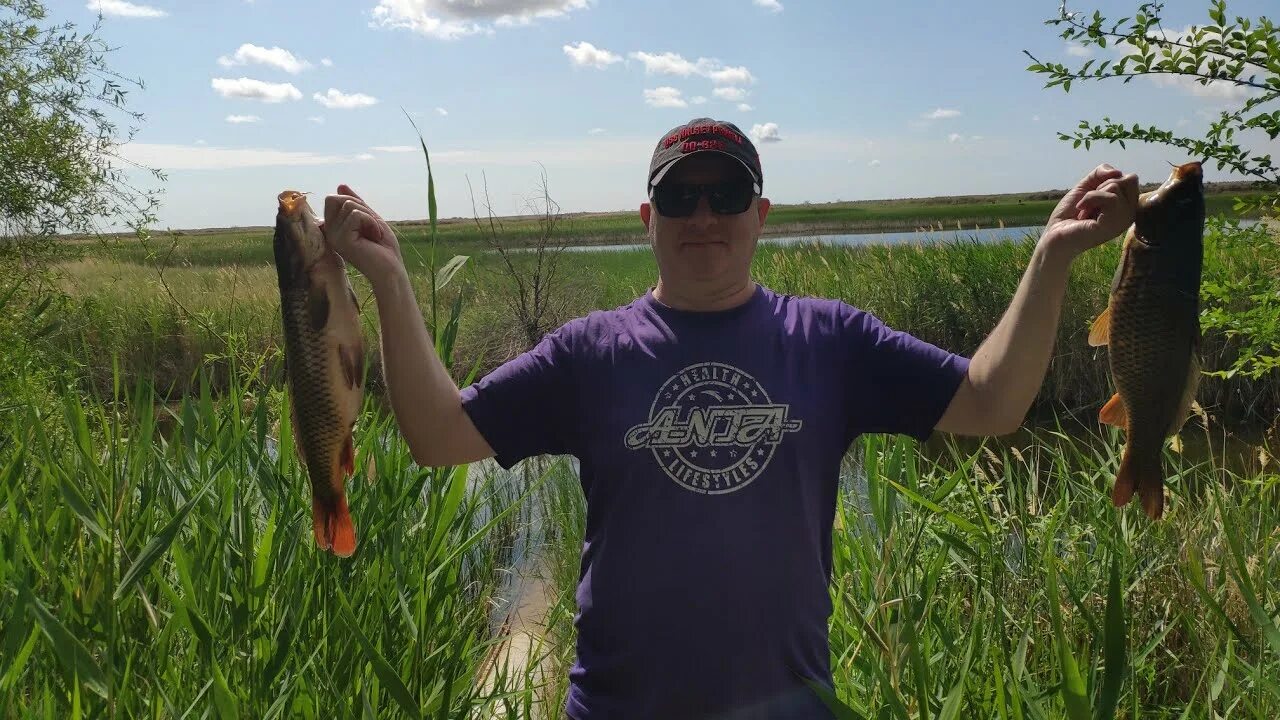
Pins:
x: 1100, y: 207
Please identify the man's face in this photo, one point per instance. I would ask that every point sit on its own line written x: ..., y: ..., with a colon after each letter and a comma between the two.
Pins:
x: 705, y: 248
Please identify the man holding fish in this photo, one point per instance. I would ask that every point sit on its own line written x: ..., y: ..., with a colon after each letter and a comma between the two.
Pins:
x: 710, y: 417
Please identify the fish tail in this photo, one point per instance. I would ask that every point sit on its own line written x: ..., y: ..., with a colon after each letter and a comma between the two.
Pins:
x: 1146, y: 478
x: 333, y: 527
x: 1122, y: 492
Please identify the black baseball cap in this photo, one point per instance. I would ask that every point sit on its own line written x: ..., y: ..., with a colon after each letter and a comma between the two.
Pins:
x: 704, y: 135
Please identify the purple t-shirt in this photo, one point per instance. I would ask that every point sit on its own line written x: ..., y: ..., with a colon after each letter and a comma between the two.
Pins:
x: 709, y: 446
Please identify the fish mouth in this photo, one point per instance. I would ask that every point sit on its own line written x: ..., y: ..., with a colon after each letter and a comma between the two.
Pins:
x: 292, y: 202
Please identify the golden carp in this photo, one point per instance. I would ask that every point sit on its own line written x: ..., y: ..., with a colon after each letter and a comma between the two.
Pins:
x: 324, y: 364
x: 1152, y: 327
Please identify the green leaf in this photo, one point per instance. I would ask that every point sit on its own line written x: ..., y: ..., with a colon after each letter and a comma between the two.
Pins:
x: 160, y: 543
x: 79, y: 505
x: 223, y: 700
x: 386, y: 674
x: 451, y: 268
x: 951, y: 517
x: 72, y: 653
x: 824, y: 693
x: 1072, y: 685
x: 1115, y: 646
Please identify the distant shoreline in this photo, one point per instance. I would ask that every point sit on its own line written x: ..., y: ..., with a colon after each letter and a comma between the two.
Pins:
x: 889, y: 215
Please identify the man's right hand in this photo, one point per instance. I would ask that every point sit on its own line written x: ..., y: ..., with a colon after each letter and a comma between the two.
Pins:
x: 362, y: 237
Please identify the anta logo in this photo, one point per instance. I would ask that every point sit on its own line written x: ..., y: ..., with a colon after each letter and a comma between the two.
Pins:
x: 712, y: 428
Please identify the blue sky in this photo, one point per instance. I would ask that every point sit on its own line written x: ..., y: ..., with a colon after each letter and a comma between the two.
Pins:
x: 848, y: 99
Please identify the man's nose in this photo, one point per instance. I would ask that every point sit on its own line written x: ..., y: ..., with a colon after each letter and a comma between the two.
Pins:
x: 702, y: 215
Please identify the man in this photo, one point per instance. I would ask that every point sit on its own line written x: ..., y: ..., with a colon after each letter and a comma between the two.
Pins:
x: 709, y: 417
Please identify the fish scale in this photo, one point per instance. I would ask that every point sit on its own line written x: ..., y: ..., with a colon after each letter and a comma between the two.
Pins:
x: 317, y: 414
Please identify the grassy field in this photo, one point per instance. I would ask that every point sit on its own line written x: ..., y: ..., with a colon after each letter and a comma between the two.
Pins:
x: 251, y: 246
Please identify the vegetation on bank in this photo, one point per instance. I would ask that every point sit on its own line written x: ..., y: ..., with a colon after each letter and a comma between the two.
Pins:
x: 950, y: 294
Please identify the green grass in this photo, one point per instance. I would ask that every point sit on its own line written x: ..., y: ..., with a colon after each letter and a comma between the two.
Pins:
x: 156, y: 564
x: 980, y: 583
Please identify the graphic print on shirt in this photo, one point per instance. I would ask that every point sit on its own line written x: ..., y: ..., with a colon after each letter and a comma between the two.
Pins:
x: 712, y: 428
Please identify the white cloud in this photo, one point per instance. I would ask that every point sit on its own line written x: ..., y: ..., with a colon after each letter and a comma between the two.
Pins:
x: 200, y: 142
x: 364, y: 156
x: 773, y: 5
x: 240, y: 119
x: 940, y: 114
x: 954, y: 137
x: 204, y: 157
x: 316, y: 119
x: 874, y: 163
x: 768, y: 132
x: 450, y: 19
x: 1035, y: 118
x: 584, y: 54
x: 669, y: 63
x: 743, y: 107
x: 120, y: 8
x: 441, y: 112
x: 335, y: 99
x: 393, y: 148
x: 326, y: 62
x: 275, y: 57
x: 1075, y: 49
x: 664, y: 97
x: 732, y: 94
x: 595, y: 131
x: 731, y: 76
x: 697, y: 99
x: 256, y: 90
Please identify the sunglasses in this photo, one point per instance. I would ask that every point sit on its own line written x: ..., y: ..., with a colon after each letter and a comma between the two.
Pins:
x: 680, y: 200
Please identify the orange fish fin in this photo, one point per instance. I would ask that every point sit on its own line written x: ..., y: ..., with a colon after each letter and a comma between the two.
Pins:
x: 1122, y: 493
x: 348, y: 461
x: 1114, y: 413
x: 1100, y: 330
x: 1188, y: 395
x: 352, y: 360
x: 333, y: 528
x: 1144, y: 478
x: 1151, y: 489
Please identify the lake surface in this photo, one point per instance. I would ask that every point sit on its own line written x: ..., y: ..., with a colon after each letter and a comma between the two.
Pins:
x: 873, y: 238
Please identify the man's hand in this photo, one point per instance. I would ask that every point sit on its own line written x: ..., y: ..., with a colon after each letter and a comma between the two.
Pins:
x: 1100, y: 207
x: 362, y: 237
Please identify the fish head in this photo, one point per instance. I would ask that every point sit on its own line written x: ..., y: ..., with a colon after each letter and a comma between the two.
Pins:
x: 299, y: 242
x: 300, y: 225
x: 1174, y: 212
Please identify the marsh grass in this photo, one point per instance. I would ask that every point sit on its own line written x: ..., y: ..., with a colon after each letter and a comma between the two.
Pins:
x: 979, y: 585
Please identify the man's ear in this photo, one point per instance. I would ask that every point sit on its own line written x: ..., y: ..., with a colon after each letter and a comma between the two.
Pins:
x: 762, y: 206
x: 645, y: 213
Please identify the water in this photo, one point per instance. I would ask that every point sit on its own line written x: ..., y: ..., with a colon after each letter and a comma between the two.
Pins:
x: 875, y: 238
x: 983, y: 235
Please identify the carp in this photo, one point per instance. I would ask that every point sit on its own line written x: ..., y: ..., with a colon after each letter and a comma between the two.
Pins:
x: 324, y: 364
x: 1152, y: 329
